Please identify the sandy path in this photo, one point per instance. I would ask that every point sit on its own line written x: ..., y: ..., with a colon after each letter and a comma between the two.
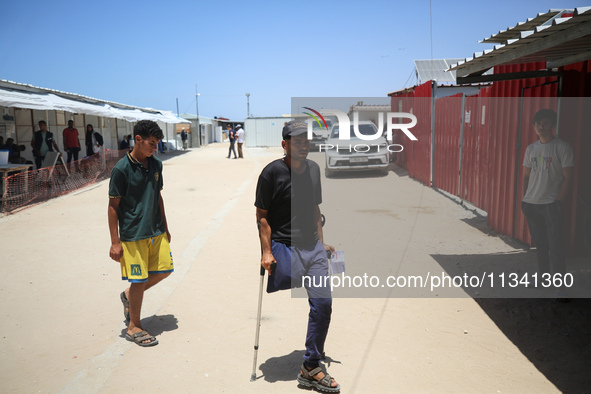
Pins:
x: 62, y: 326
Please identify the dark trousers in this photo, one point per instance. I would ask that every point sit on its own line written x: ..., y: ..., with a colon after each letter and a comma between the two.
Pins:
x: 545, y: 223
x: 39, y: 161
x: 72, y: 154
x: 240, y: 150
x: 293, y: 264
x: 232, y: 149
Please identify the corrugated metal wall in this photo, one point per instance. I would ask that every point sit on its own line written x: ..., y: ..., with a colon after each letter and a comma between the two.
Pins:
x: 498, y: 131
x: 475, y: 163
x: 575, y: 115
x: 448, y: 123
x: 415, y: 155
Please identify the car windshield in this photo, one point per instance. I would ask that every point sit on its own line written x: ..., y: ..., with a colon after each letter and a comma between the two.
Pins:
x: 364, y: 129
x: 316, y: 126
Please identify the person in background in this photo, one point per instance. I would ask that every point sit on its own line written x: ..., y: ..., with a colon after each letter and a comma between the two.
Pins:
x: 547, y: 177
x: 42, y: 143
x: 240, y: 140
x: 12, y: 150
x: 231, y: 138
x: 9, y: 146
x: 184, y: 138
x: 14, y: 155
x: 71, y: 141
x: 94, y: 141
x: 124, y: 144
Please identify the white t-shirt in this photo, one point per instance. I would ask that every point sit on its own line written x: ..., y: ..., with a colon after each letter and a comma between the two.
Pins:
x: 240, y: 136
x: 546, y: 162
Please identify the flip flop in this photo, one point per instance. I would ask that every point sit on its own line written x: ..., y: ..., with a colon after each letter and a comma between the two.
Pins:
x: 125, y: 302
x: 141, y: 336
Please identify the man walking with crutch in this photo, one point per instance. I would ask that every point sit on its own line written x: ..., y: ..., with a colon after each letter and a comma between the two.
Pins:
x: 290, y: 231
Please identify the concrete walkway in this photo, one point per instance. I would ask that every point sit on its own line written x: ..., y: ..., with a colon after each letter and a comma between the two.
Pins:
x: 62, y: 329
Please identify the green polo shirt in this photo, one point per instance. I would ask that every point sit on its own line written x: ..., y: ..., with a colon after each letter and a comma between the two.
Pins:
x: 139, y: 189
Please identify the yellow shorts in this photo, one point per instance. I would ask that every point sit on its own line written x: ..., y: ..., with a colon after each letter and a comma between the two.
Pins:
x: 144, y: 257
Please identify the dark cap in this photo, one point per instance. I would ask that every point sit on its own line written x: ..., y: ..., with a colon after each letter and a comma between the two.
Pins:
x: 293, y: 128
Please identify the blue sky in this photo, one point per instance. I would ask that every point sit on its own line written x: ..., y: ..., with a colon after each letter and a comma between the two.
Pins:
x: 149, y: 53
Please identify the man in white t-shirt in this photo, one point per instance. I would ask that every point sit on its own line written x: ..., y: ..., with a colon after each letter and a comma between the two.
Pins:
x: 240, y: 140
x: 547, y: 177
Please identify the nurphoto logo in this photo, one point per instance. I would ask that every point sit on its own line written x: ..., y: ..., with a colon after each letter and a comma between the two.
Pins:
x: 345, y: 124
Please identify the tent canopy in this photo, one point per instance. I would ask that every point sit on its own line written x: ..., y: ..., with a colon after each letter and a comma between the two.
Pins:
x: 51, y: 101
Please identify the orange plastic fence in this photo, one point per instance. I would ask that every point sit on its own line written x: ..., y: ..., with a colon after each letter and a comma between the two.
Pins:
x: 33, y: 187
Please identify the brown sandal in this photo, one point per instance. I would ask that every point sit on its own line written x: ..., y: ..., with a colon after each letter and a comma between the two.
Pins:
x: 306, y: 378
x: 140, y: 337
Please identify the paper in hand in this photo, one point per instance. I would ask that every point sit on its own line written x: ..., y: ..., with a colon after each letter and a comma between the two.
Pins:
x: 337, y: 262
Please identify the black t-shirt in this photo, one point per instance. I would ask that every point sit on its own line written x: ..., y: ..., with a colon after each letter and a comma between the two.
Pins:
x: 290, y: 200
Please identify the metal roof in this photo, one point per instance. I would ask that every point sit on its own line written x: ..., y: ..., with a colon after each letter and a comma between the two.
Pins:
x: 557, y: 41
x: 371, y: 107
x: 513, y: 32
x: 436, y: 70
x: 202, y: 119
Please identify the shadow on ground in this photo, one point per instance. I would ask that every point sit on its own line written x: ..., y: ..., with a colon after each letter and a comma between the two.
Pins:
x: 283, y: 368
x: 554, y: 336
x: 172, y: 153
x: 479, y: 221
x: 401, y: 172
x: 287, y: 368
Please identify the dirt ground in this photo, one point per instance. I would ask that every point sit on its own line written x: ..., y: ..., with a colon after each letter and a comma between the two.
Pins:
x: 62, y: 328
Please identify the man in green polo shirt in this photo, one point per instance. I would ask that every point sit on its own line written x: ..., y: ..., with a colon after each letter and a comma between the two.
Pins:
x: 137, y: 223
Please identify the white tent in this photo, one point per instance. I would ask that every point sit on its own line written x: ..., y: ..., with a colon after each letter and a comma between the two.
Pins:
x: 50, y: 101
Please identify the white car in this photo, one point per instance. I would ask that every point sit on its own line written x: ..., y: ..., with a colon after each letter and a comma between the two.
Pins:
x: 320, y: 135
x: 356, y: 154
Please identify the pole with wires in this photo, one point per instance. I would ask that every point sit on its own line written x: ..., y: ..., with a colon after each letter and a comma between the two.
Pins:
x: 431, y: 28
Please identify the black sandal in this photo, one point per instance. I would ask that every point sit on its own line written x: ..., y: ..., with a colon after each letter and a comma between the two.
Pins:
x: 125, y: 302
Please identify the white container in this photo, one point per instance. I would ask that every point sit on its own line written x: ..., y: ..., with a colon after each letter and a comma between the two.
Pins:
x: 3, y: 157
